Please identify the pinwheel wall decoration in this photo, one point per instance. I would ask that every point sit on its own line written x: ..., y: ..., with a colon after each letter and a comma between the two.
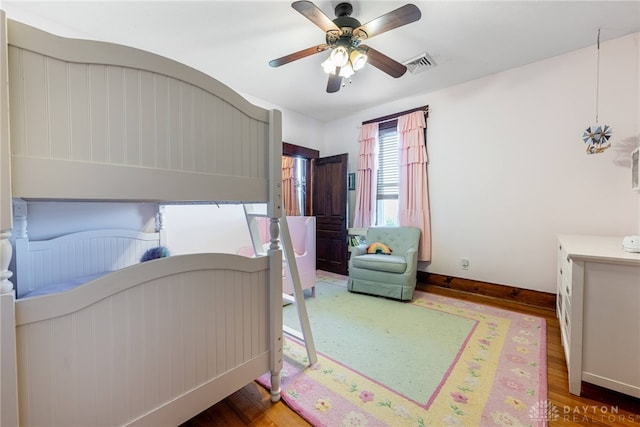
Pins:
x: 597, y: 136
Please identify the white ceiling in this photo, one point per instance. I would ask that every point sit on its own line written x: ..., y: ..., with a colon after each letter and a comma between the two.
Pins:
x: 234, y: 40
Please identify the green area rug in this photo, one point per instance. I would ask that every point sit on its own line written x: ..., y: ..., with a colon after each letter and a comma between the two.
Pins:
x: 384, y: 339
x: 432, y: 361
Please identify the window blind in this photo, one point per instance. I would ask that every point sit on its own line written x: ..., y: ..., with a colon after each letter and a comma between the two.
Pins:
x: 388, y: 168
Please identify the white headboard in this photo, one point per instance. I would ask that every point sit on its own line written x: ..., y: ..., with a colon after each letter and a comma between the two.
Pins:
x: 87, y: 253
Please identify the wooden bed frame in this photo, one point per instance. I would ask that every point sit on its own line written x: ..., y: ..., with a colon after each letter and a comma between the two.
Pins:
x: 155, y: 342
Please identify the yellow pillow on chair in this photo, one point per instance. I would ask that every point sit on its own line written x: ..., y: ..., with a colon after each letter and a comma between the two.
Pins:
x: 378, y: 248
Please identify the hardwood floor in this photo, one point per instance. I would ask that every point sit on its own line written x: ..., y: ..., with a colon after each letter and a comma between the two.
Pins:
x: 250, y: 406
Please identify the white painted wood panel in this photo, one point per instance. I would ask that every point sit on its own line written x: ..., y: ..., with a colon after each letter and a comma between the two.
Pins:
x: 79, y: 101
x: 610, y: 288
x: 161, y: 113
x: 148, y: 122
x: 5, y: 174
x: 16, y: 102
x: 8, y: 361
x: 127, y: 117
x: 116, y: 114
x: 143, y: 345
x: 35, y: 102
x: 98, y: 113
x: 59, y: 120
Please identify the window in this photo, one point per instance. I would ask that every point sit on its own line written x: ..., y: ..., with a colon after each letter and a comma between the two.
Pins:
x: 388, y: 174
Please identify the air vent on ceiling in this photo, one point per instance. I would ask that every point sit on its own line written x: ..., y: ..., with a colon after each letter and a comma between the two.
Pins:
x: 420, y: 63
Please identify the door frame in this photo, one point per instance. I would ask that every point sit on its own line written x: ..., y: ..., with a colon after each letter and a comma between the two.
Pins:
x: 309, y: 154
x: 338, y: 261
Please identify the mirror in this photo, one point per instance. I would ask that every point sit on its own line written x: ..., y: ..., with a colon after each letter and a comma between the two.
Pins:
x: 294, y: 185
x: 300, y: 179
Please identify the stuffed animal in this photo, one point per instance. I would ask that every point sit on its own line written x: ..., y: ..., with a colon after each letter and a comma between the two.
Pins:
x: 378, y: 248
x: 154, y: 253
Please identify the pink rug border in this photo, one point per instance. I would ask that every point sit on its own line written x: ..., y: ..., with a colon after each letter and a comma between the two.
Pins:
x: 495, y: 311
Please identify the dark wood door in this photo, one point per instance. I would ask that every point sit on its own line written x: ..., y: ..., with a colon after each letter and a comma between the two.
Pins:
x: 330, y: 209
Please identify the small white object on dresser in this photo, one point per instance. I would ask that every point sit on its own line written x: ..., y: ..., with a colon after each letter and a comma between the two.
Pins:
x: 598, y: 307
x: 631, y: 244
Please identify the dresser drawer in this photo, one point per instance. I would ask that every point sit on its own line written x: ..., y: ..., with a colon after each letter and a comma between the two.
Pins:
x: 565, y: 266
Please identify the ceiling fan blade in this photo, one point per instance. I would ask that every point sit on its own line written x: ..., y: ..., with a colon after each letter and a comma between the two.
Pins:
x: 298, y: 55
x: 396, y: 18
x: 335, y: 81
x: 384, y: 63
x: 315, y: 15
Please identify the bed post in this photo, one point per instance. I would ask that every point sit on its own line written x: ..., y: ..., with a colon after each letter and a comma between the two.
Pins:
x: 8, y: 365
x: 160, y: 224
x: 274, y: 210
x: 6, y: 216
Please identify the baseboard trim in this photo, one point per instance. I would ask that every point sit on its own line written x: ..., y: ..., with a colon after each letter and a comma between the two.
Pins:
x: 504, y: 292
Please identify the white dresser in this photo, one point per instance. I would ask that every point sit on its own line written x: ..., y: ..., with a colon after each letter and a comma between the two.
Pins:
x: 598, y: 306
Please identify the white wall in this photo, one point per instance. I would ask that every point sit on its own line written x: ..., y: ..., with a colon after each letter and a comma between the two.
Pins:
x: 206, y: 228
x: 508, y: 169
x: 296, y: 128
x: 48, y: 219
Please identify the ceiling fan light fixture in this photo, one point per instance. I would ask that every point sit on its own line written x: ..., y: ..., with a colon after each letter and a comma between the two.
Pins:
x: 346, y: 71
x: 358, y: 59
x: 328, y: 66
x: 343, y: 36
x: 339, y: 56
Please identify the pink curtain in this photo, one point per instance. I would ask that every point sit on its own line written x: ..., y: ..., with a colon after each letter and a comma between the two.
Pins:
x: 289, y: 192
x: 413, y: 200
x: 366, y: 176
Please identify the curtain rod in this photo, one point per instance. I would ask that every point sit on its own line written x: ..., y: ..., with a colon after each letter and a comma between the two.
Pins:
x: 424, y: 108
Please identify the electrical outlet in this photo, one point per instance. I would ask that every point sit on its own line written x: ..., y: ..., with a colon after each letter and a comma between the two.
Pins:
x: 464, y: 263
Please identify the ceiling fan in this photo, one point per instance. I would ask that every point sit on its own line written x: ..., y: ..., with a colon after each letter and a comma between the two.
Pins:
x: 344, y: 36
